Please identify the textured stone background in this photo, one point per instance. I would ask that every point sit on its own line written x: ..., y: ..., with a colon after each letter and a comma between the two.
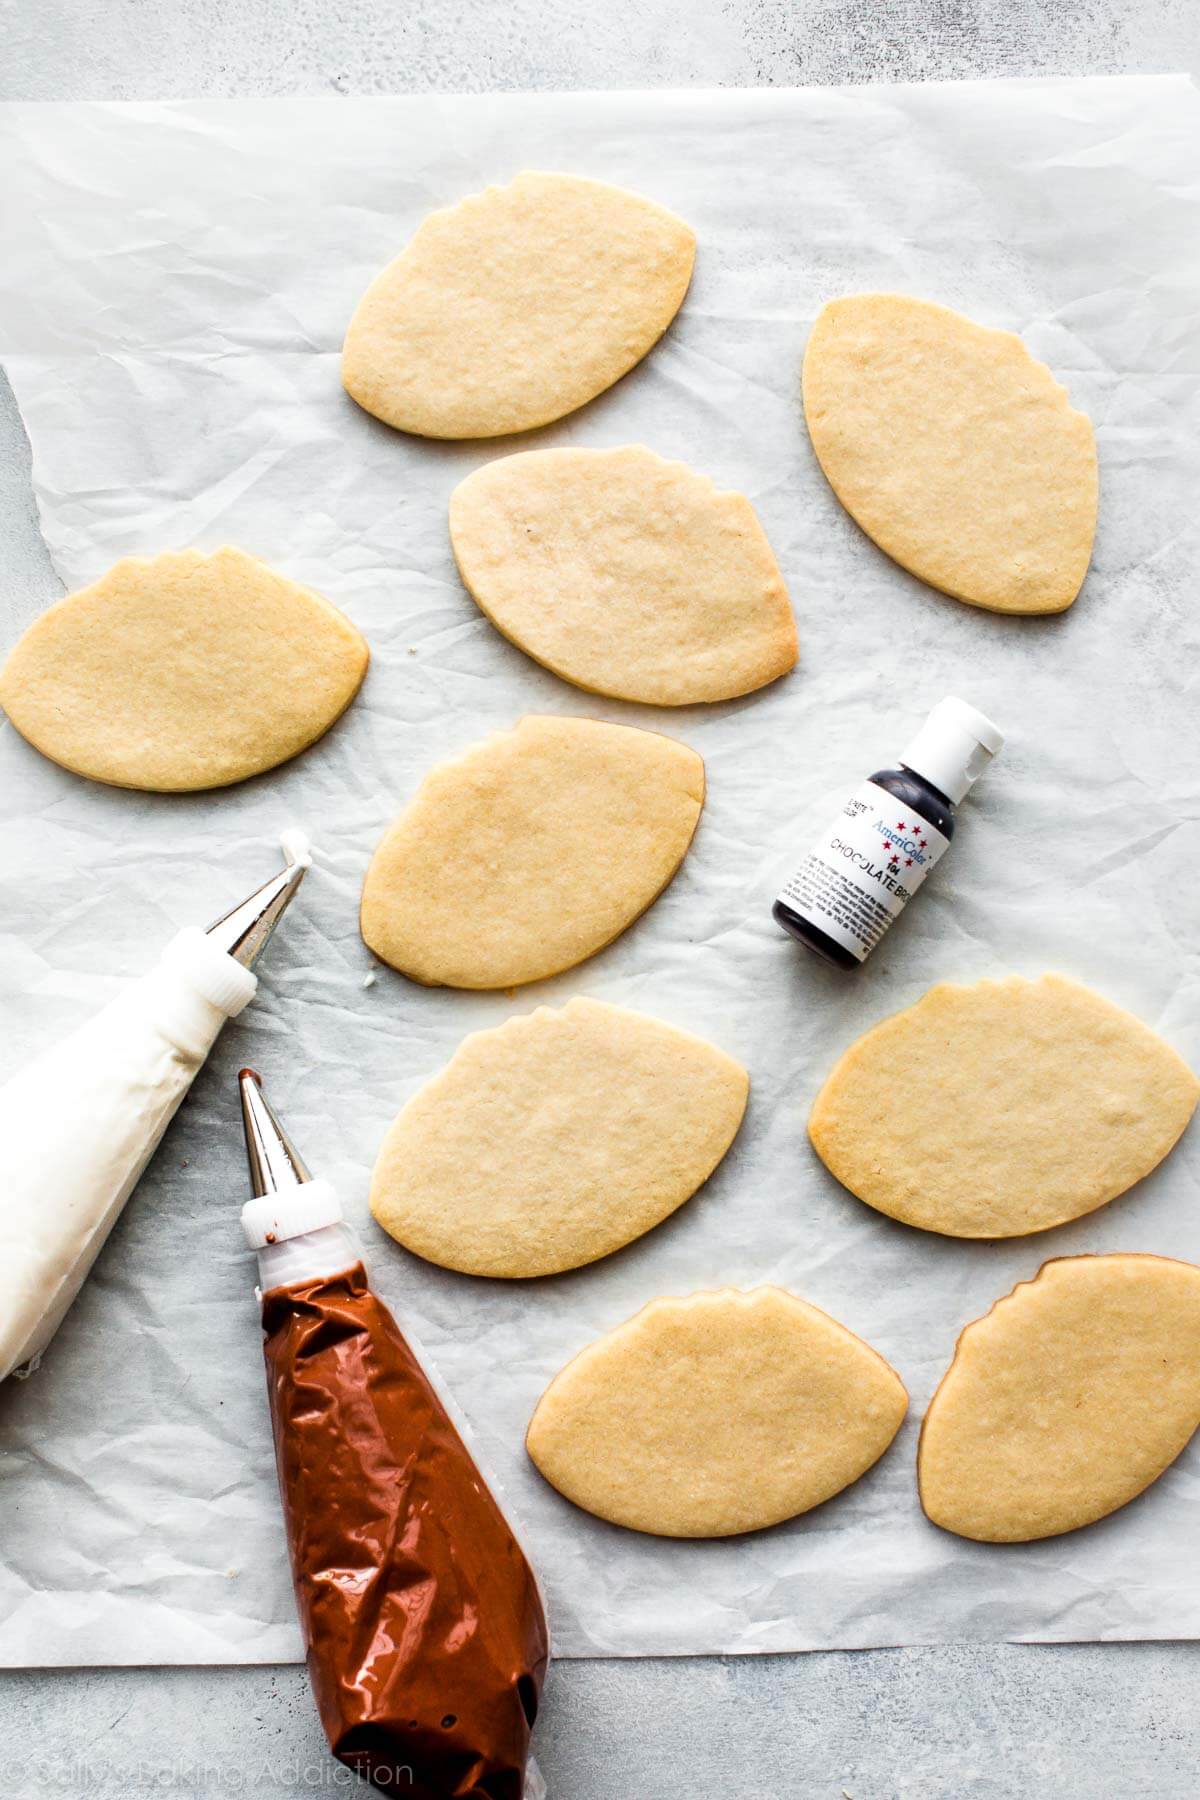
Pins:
x: 132, y: 49
x: 970, y: 1722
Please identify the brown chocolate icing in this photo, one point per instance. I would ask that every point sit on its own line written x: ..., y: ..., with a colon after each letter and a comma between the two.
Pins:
x: 426, y: 1639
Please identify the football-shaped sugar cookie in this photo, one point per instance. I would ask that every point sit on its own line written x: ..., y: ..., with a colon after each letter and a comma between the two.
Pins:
x: 1066, y: 1400
x: 516, y: 306
x: 555, y: 1139
x: 182, y: 671
x: 530, y: 851
x: 624, y: 573
x: 1003, y: 1108
x: 722, y: 1412
x: 954, y: 449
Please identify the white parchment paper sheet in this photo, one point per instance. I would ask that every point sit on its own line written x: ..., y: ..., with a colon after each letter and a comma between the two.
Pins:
x: 175, y: 285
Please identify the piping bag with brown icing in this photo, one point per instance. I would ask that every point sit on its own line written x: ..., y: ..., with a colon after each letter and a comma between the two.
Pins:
x: 425, y: 1634
x: 79, y: 1123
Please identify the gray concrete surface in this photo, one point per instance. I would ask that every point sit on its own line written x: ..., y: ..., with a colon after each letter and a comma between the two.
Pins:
x: 118, y: 49
x: 970, y: 1722
x: 965, y: 1723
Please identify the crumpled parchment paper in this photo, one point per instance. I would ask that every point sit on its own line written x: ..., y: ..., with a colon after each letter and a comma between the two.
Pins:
x: 174, y: 289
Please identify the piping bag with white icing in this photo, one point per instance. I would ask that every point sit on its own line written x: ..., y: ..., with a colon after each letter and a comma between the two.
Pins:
x: 79, y: 1124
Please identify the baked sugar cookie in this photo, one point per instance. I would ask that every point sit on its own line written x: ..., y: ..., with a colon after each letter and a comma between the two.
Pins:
x: 954, y: 449
x: 1003, y: 1108
x: 1066, y: 1400
x: 530, y: 852
x: 625, y: 574
x: 555, y: 1139
x: 719, y: 1413
x: 182, y: 671
x: 516, y: 306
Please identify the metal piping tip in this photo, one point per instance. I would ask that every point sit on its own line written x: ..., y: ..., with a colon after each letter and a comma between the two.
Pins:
x: 245, y: 932
x: 275, y: 1163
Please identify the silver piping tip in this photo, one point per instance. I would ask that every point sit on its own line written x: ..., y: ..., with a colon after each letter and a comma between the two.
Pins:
x: 275, y: 1163
x: 245, y: 932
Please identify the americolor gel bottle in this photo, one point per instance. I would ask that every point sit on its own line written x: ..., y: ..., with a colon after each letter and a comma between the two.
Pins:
x: 422, y: 1620
x: 889, y: 837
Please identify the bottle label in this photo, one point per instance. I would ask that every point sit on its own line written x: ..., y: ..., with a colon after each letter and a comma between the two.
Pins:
x: 864, y: 870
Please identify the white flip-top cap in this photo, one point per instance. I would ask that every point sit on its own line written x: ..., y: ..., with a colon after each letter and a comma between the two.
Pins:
x: 953, y: 747
x: 272, y: 1218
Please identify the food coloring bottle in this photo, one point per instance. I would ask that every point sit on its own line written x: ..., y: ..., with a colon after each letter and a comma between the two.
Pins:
x: 866, y: 868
